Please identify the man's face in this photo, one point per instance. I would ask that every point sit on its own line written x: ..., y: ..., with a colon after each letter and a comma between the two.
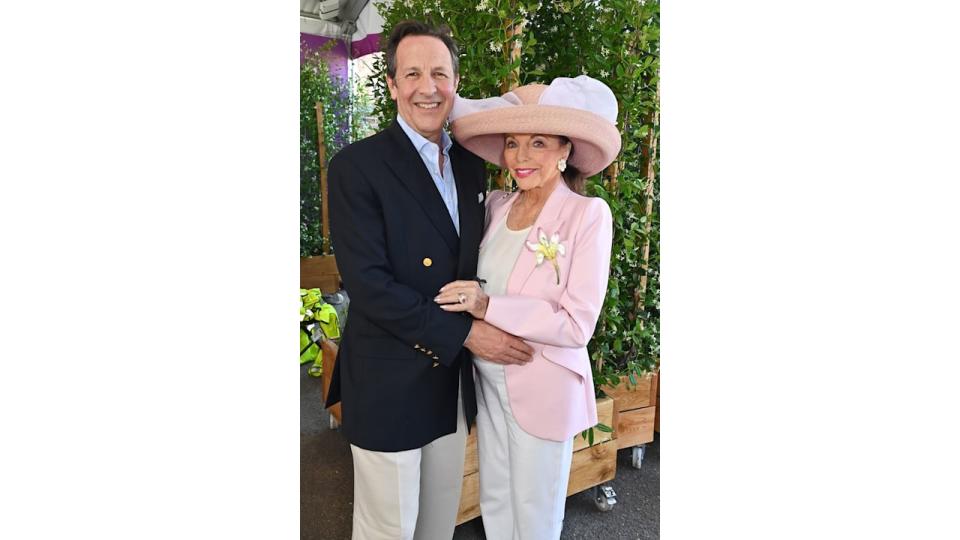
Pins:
x: 425, y: 84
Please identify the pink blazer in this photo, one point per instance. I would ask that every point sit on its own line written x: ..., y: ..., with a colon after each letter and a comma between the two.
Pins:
x: 552, y: 397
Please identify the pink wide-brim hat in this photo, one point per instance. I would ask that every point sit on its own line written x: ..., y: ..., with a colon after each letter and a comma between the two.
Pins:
x: 582, y: 109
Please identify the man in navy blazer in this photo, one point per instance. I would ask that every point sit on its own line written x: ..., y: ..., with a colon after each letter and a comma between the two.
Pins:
x: 406, y: 215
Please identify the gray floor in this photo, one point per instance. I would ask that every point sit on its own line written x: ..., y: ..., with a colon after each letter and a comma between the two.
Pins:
x: 326, y: 487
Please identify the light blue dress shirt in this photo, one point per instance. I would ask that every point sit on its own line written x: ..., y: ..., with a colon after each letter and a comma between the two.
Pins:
x: 429, y: 153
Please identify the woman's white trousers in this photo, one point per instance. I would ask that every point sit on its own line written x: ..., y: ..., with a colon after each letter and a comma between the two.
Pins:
x: 523, y: 479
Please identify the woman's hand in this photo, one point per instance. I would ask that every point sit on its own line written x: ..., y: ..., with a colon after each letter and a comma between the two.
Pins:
x: 463, y: 296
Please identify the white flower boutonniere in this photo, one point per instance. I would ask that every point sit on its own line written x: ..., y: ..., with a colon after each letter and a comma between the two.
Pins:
x: 548, y: 249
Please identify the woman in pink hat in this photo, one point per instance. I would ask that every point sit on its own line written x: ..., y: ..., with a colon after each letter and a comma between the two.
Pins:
x: 545, y: 259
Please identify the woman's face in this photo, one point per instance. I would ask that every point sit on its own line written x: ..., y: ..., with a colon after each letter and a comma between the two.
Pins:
x: 532, y: 159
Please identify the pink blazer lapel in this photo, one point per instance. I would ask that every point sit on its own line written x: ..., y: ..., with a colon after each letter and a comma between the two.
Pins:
x: 549, y: 222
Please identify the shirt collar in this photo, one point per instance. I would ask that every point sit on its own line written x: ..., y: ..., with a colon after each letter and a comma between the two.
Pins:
x: 419, y: 140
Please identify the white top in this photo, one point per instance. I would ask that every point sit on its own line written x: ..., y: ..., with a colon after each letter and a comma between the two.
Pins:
x: 499, y: 255
x: 497, y: 258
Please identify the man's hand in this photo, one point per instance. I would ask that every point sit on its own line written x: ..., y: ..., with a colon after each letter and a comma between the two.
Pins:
x: 491, y: 343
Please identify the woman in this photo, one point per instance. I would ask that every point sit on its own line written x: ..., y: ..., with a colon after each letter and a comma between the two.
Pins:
x: 545, y: 259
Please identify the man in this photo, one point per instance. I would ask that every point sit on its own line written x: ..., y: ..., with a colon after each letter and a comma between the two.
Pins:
x: 406, y: 214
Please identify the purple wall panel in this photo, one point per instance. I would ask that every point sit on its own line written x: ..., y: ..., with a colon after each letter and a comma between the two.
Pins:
x: 365, y: 46
x: 336, y: 57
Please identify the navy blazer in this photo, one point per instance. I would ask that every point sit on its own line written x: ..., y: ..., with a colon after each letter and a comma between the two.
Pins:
x: 401, y: 356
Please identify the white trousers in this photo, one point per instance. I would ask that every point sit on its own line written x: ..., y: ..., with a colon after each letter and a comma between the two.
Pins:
x: 523, y: 479
x: 409, y: 495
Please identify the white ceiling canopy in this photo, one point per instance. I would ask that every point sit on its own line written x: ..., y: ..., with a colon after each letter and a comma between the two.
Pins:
x: 340, y: 18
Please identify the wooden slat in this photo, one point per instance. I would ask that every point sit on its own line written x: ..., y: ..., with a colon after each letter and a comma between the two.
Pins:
x: 329, y: 350
x: 649, y: 153
x: 604, y: 416
x: 324, y: 207
x: 656, y: 387
x: 319, y: 272
x: 633, y: 397
x: 635, y: 427
x: 592, y: 466
x: 469, y: 498
x: 656, y: 420
x: 470, y: 461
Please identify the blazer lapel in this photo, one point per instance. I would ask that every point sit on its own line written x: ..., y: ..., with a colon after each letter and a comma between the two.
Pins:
x: 407, y: 165
x: 549, y: 222
x: 469, y: 208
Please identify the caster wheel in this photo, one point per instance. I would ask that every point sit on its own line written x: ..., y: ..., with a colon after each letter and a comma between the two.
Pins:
x: 333, y: 422
x: 605, y: 498
x: 637, y: 456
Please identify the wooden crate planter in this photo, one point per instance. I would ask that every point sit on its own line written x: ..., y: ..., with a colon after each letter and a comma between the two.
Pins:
x: 635, y: 410
x: 320, y: 272
x: 594, y: 465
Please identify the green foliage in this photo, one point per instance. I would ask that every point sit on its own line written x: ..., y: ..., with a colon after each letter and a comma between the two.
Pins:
x: 618, y: 42
x: 344, y: 109
x: 588, y: 434
x: 627, y: 336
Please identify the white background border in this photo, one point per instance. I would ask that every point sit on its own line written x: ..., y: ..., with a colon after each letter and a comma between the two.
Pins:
x: 150, y: 189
